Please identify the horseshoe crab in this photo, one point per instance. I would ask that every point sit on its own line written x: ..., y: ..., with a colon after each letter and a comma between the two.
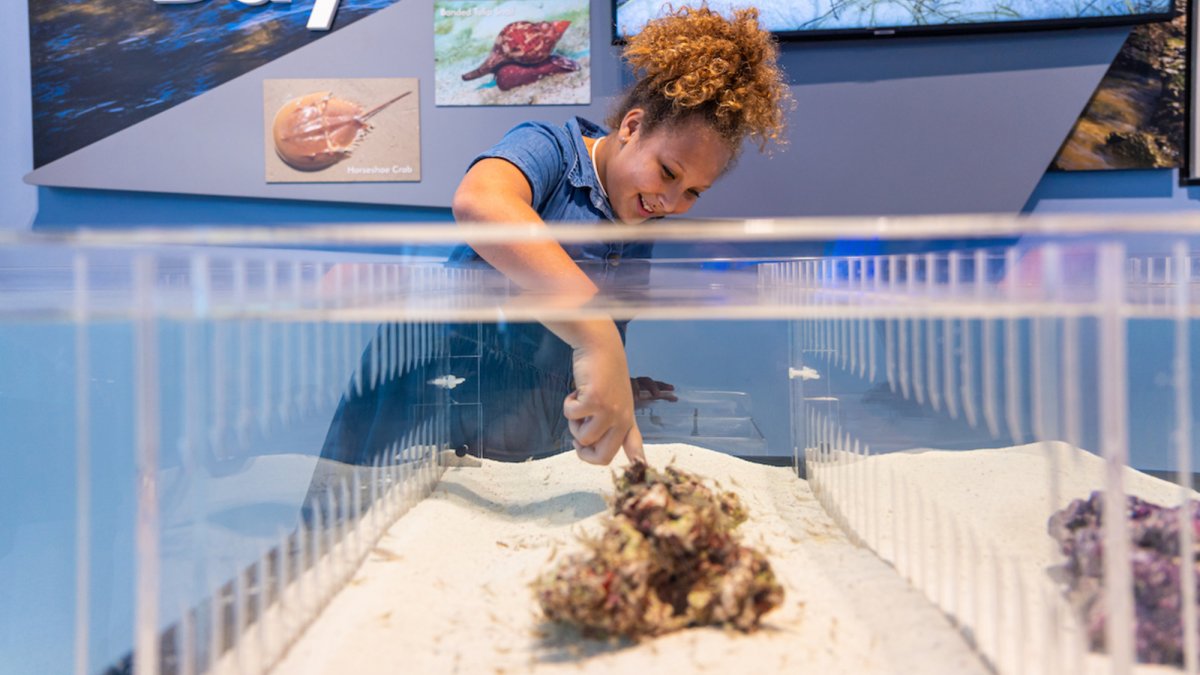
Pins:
x: 522, y: 51
x: 318, y: 130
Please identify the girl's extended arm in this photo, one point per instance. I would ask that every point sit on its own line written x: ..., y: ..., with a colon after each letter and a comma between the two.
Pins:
x: 600, y: 410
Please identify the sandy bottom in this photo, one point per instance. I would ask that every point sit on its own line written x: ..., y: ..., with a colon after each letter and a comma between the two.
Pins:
x: 447, y: 587
x: 969, y: 529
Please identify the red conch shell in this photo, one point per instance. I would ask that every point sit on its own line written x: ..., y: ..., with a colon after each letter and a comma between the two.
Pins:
x: 523, y: 42
x: 318, y: 130
x: 512, y: 75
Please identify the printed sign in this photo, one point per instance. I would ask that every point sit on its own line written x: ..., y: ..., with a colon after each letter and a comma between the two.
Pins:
x: 351, y: 130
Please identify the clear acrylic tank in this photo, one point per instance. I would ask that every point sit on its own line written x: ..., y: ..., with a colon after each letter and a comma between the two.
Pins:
x: 902, y: 404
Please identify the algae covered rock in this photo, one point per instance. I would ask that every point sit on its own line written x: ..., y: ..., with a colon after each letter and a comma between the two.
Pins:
x: 668, y: 558
x: 1157, y: 566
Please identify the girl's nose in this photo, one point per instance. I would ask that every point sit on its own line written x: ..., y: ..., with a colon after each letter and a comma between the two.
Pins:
x: 671, y: 200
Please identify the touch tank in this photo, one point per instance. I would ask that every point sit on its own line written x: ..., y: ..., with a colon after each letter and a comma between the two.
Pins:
x: 963, y: 444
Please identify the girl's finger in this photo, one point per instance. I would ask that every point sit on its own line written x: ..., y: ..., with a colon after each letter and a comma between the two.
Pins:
x: 633, y: 445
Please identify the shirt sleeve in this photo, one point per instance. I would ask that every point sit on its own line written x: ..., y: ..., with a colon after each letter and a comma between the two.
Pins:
x: 536, y: 149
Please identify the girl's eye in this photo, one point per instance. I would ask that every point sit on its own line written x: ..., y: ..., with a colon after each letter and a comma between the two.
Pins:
x: 694, y: 193
x: 667, y: 172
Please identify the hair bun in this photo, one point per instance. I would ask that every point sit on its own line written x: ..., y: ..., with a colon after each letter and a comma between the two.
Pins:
x: 697, y: 58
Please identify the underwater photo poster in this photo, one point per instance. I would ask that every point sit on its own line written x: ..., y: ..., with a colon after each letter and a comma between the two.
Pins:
x: 1189, y: 172
x: 1135, y: 120
x: 99, y: 67
x: 797, y: 18
x: 511, y: 52
x: 342, y: 130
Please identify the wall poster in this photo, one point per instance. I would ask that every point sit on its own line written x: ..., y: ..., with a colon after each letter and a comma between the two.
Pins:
x: 339, y: 131
x: 102, y: 66
x: 1189, y: 173
x: 1135, y: 120
x: 512, y: 52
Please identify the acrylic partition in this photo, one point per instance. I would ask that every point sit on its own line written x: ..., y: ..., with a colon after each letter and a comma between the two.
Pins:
x: 948, y: 404
x: 175, y: 400
x: 947, y: 390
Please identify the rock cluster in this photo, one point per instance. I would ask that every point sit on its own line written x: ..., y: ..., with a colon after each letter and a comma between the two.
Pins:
x: 668, y: 558
x: 1156, y: 560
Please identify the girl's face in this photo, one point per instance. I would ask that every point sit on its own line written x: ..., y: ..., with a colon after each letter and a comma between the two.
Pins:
x: 661, y: 173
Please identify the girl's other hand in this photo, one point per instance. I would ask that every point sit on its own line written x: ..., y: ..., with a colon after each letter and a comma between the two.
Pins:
x: 646, y: 390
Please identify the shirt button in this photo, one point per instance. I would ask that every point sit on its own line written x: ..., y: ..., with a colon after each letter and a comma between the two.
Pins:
x: 614, y: 259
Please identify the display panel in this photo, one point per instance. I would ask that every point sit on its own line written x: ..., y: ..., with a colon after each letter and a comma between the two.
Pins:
x: 817, y: 19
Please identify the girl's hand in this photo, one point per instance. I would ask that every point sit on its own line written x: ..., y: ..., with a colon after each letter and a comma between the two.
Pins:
x: 600, y: 410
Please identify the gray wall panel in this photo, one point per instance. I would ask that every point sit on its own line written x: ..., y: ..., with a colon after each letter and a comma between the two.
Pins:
x: 18, y: 202
x: 954, y: 124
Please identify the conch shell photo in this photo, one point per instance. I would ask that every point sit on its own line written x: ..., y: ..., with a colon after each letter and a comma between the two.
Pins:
x: 523, y: 54
x: 512, y: 52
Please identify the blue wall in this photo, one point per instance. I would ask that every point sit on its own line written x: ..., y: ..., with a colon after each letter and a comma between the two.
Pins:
x: 1155, y: 191
x: 63, y: 208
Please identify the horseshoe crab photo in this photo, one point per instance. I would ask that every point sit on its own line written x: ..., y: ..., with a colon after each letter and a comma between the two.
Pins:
x: 342, y: 130
x: 317, y: 130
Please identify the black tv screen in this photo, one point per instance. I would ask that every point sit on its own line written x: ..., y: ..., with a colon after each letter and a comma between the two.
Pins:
x: 818, y: 19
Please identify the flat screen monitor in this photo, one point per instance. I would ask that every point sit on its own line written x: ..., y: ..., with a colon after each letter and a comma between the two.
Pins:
x: 828, y: 19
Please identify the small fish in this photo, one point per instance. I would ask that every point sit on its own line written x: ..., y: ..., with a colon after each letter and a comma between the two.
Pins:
x: 447, y: 381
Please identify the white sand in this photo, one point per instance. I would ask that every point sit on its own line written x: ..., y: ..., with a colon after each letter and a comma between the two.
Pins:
x: 1000, y: 500
x: 447, y: 587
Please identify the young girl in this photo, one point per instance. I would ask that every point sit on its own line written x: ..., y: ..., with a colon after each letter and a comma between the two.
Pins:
x: 527, y: 390
x: 705, y: 84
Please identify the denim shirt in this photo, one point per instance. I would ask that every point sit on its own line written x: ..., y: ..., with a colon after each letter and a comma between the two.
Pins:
x: 566, y: 191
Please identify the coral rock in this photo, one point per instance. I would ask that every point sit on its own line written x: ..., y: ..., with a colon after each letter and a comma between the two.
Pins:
x: 1156, y: 563
x: 668, y: 558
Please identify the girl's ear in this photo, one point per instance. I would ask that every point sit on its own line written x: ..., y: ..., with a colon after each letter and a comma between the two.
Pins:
x: 630, y: 124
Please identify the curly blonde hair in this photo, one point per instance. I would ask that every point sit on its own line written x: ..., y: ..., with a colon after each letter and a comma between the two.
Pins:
x: 694, y: 62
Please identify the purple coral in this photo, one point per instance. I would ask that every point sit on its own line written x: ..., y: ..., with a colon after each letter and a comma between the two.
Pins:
x: 1155, y: 558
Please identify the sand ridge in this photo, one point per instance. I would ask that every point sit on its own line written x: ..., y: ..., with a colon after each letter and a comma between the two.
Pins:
x: 970, y: 528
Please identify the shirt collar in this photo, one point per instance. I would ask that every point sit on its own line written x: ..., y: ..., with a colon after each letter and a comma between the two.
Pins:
x: 581, y: 174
